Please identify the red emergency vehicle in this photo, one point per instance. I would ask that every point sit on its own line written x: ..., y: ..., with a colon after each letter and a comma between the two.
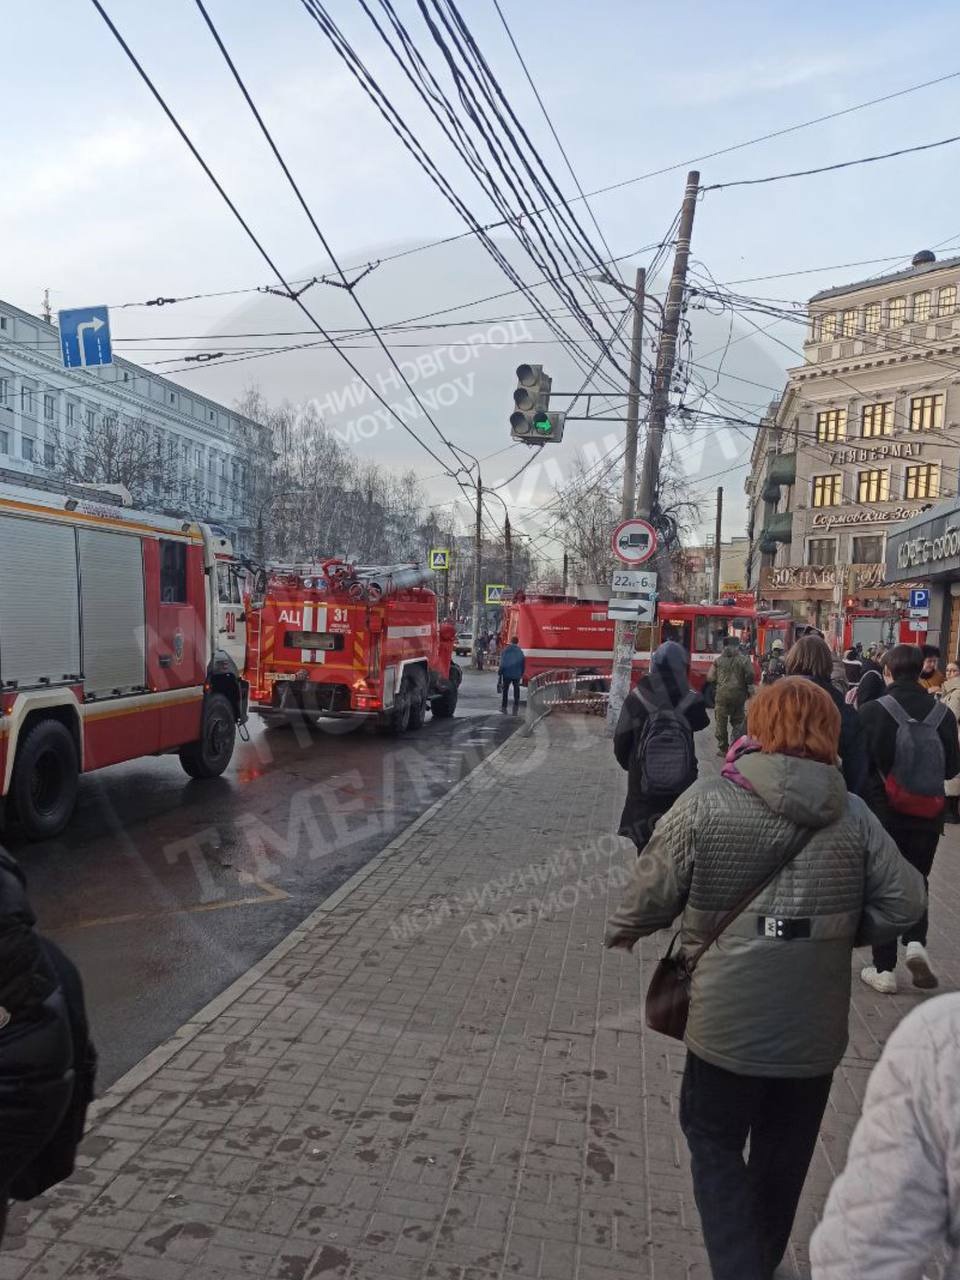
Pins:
x: 334, y: 640
x: 564, y: 633
x: 108, y: 629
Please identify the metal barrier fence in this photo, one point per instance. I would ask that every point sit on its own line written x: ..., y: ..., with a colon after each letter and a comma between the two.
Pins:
x: 562, y: 690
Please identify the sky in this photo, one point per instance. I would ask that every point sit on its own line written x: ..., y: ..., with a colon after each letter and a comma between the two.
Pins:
x: 104, y: 204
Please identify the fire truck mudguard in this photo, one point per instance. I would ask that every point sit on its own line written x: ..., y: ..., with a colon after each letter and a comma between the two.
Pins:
x: 115, y: 657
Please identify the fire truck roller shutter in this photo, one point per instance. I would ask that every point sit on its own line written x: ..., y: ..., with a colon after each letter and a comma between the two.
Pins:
x: 111, y: 589
x: 40, y: 616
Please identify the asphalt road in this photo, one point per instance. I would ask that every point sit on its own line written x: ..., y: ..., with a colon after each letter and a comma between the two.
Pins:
x: 164, y: 890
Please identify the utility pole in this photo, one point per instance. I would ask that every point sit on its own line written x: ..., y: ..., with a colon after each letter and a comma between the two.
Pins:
x: 715, y: 595
x: 508, y: 550
x: 477, y: 550
x: 625, y: 633
x: 566, y: 571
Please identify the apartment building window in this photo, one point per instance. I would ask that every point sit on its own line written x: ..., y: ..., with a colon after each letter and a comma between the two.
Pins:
x: 947, y: 300
x: 27, y: 448
x: 827, y: 490
x: 26, y: 400
x: 871, y: 317
x: 873, y: 485
x: 822, y: 551
x: 831, y: 425
x: 926, y: 413
x: 816, y: 328
x: 896, y: 315
x: 48, y: 408
x: 828, y: 327
x: 921, y: 307
x: 4, y: 391
x: 923, y: 481
x: 90, y: 419
x: 49, y: 455
x: 71, y: 414
x: 867, y: 549
x: 848, y: 324
x: 877, y: 419
x: 4, y: 443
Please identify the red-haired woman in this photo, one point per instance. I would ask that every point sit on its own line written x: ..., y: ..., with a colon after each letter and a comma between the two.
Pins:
x: 769, y: 1001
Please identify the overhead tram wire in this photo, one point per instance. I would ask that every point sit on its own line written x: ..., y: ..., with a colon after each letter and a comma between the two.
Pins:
x: 458, y: 457
x: 249, y: 231
x: 411, y: 142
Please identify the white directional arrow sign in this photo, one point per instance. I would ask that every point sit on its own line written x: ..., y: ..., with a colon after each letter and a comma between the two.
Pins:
x: 94, y: 325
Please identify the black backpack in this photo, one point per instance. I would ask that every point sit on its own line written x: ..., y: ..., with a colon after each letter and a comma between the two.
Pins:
x: 665, y: 751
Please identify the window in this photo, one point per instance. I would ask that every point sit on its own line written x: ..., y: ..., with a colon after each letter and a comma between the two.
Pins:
x: 816, y: 328
x: 831, y: 425
x: 71, y: 414
x: 91, y: 419
x: 173, y: 398
x: 896, y: 315
x: 868, y: 550
x: 947, y: 300
x: 212, y: 415
x: 4, y: 323
x: 877, y: 419
x: 27, y: 448
x: 923, y: 481
x: 828, y: 328
x: 4, y: 442
x: 871, y: 317
x: 48, y: 408
x: 848, y: 324
x: 827, y: 490
x: 198, y: 459
x: 4, y: 390
x: 49, y: 455
x: 228, y: 588
x: 921, y: 307
x: 26, y: 400
x: 926, y: 413
x: 873, y: 485
x: 822, y: 551
x: 173, y: 572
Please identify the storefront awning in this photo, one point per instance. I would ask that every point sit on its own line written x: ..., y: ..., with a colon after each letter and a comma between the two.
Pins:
x: 928, y: 546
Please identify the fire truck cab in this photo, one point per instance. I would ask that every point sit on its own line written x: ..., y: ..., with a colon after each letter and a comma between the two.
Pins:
x: 336, y: 641
x: 107, y: 649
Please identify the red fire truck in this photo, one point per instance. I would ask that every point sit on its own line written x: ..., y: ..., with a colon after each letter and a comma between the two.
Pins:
x: 562, y: 633
x: 108, y: 627
x: 335, y: 640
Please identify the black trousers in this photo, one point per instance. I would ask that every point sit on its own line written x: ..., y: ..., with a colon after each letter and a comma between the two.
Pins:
x: 747, y: 1206
x: 919, y: 848
x: 506, y: 689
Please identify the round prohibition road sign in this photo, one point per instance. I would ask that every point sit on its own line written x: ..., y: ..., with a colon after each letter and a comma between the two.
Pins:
x: 634, y: 541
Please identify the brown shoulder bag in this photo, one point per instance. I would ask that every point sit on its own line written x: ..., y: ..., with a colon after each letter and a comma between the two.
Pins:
x: 667, y: 1004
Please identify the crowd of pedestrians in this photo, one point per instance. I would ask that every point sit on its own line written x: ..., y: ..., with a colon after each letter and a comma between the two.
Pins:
x: 817, y: 838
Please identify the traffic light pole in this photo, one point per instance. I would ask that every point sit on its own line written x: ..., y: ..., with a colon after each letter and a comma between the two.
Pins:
x: 625, y: 633
x: 477, y: 550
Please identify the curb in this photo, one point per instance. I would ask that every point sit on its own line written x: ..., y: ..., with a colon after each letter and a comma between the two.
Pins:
x: 158, y: 1058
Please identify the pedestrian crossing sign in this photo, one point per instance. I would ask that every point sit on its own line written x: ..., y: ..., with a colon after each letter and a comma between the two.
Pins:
x: 496, y: 593
x: 440, y: 558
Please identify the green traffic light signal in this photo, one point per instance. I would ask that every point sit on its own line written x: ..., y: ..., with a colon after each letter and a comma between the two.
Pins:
x: 542, y: 423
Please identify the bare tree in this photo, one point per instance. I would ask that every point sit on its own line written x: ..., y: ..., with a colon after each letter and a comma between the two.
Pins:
x: 117, y: 451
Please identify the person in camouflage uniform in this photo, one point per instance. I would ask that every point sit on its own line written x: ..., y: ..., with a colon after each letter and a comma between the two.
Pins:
x: 732, y: 678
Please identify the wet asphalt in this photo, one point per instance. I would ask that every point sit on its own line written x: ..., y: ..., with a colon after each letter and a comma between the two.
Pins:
x: 165, y: 890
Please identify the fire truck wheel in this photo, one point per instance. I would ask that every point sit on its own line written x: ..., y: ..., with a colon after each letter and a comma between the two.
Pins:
x: 45, y: 780
x: 418, y: 703
x: 210, y: 754
x: 444, y: 705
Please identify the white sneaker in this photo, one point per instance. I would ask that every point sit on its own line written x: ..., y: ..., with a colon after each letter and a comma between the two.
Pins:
x: 918, y: 962
x: 885, y: 982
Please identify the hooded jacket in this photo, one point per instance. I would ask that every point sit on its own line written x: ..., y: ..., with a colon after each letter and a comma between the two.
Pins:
x: 762, y: 1005
x: 512, y: 662
x: 897, y: 1202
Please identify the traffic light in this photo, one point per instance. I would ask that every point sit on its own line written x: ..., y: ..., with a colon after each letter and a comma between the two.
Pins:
x: 531, y: 420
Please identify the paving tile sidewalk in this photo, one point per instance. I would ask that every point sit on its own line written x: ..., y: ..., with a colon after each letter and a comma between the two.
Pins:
x: 442, y: 1075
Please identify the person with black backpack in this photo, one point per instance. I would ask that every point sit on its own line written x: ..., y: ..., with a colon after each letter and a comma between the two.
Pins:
x: 913, y: 751
x: 653, y: 741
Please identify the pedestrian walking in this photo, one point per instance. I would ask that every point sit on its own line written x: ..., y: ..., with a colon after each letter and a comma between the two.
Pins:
x: 482, y: 641
x: 512, y: 666
x: 852, y: 665
x: 896, y: 1205
x: 912, y: 750
x: 653, y: 741
x: 872, y: 686
x: 931, y: 677
x: 797, y: 872
x: 774, y: 666
x: 811, y: 658
x: 731, y: 676
x: 46, y: 1061
x: 950, y: 694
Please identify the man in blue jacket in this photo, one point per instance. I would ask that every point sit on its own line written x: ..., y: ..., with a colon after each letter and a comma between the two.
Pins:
x: 512, y: 663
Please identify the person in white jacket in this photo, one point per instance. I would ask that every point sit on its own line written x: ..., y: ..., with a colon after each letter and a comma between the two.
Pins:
x: 894, y: 1212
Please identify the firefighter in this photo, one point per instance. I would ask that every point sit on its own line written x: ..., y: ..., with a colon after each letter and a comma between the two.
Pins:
x: 732, y: 677
x: 774, y: 666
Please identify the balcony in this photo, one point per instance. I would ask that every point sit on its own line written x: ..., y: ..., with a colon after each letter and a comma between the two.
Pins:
x: 782, y: 470
x: 778, y: 528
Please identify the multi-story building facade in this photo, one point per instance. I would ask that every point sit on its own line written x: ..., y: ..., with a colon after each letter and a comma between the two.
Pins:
x: 865, y: 435
x: 122, y: 424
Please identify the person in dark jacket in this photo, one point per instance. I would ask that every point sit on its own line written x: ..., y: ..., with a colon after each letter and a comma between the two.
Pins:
x: 36, y: 1051
x: 665, y: 686
x: 512, y: 666
x: 916, y: 838
x: 811, y: 657
x: 872, y: 686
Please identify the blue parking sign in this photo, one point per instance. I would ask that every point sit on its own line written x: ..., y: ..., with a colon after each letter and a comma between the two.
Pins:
x: 85, y: 337
x: 920, y: 598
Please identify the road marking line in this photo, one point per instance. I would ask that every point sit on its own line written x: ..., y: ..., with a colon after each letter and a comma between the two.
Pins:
x: 270, y: 894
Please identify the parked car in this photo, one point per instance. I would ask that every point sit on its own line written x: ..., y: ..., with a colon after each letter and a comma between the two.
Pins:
x: 463, y: 646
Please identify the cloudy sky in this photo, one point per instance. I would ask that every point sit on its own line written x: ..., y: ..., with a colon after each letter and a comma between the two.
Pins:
x: 103, y: 202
